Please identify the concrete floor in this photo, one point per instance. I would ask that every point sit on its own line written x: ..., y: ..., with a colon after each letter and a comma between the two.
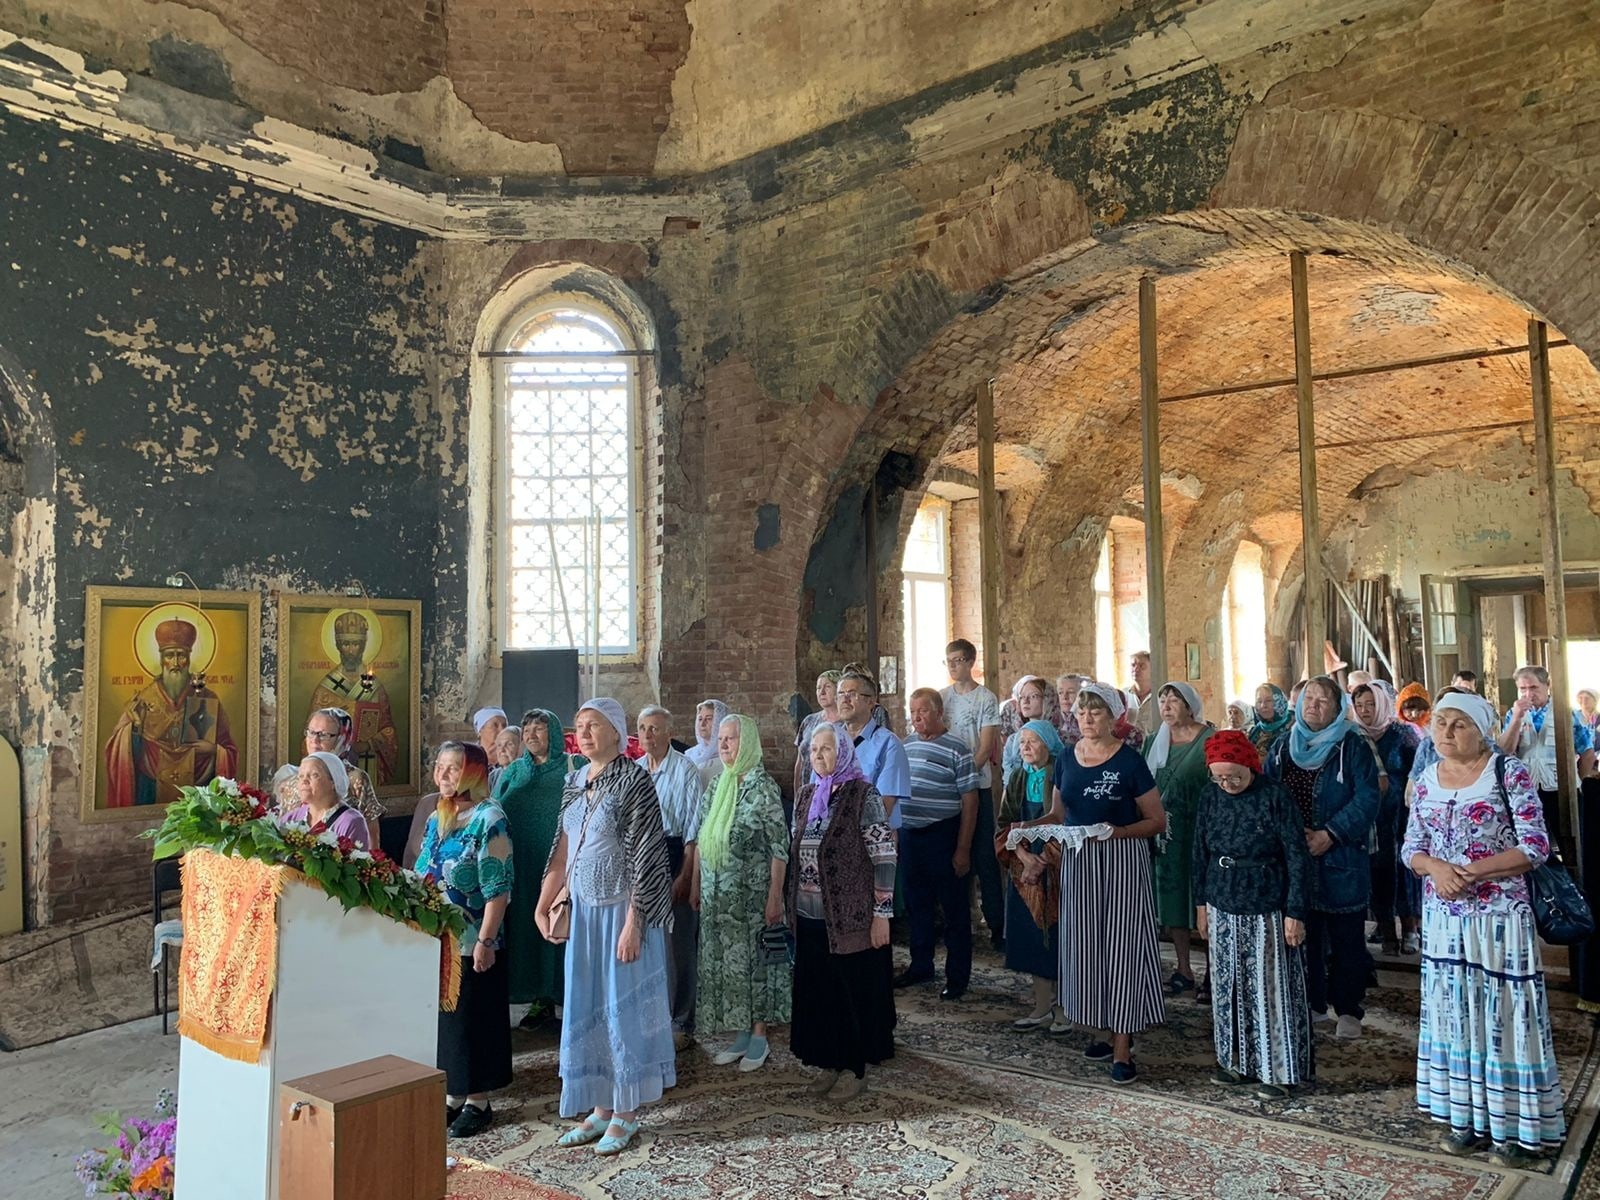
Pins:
x: 52, y: 1095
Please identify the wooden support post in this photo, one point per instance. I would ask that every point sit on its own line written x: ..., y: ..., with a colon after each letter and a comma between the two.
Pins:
x: 1155, y: 542
x: 869, y: 519
x: 989, y: 538
x: 1555, y: 588
x: 1314, y: 599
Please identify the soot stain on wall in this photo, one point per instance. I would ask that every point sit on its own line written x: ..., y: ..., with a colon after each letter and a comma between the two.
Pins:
x: 211, y: 349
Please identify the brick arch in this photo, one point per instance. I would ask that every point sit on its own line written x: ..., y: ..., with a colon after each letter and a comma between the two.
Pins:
x: 1508, y: 225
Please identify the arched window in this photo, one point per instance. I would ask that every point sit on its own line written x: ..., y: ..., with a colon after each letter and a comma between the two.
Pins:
x: 1244, y: 624
x: 566, y: 395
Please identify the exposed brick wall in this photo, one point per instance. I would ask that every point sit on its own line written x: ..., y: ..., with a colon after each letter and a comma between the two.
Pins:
x: 367, y: 45
x: 594, y: 79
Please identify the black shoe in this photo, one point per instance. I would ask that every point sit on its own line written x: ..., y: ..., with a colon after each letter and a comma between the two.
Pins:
x: 1514, y: 1154
x: 1232, y: 1078
x: 1461, y: 1141
x: 451, y: 1112
x: 1123, y: 1072
x: 911, y: 979
x: 998, y: 941
x: 1097, y: 1051
x: 952, y: 993
x: 1179, y: 984
x: 1271, y: 1091
x: 472, y: 1121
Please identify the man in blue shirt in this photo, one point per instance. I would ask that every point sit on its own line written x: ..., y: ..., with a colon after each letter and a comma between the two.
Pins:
x: 936, y: 845
x: 1529, y: 733
x: 882, y: 757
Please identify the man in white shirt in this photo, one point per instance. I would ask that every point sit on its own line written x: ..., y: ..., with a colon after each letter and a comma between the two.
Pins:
x: 973, y: 715
x: 1148, y: 715
x: 679, y: 791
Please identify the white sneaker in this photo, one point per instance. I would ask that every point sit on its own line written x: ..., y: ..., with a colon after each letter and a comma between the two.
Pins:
x: 1348, y: 1029
x: 1411, y: 944
x: 1321, y: 1018
x: 1059, y: 1023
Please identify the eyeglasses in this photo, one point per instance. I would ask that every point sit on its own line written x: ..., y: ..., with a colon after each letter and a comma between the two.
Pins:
x: 318, y: 735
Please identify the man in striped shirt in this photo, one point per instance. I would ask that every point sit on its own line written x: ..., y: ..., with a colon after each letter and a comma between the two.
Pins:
x: 936, y: 845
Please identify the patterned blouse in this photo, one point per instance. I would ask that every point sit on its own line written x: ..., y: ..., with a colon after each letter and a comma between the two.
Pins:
x: 879, y: 840
x: 472, y: 864
x: 1465, y: 825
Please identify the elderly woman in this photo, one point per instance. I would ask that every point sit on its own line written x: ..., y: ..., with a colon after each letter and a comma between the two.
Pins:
x: 1395, y: 743
x: 285, y: 788
x: 1032, y: 909
x: 1589, y: 708
x: 840, y: 901
x: 323, y: 787
x: 610, y: 859
x: 827, y: 713
x: 743, y: 853
x: 331, y: 729
x: 507, y: 747
x: 708, y: 718
x: 1028, y: 698
x: 1238, y: 715
x: 1252, y: 891
x: 1177, y: 759
x: 489, y: 723
x: 1486, y: 1063
x: 1269, y: 719
x: 466, y: 850
x: 1331, y: 774
x: 1065, y: 718
x: 529, y: 791
x: 1110, y: 956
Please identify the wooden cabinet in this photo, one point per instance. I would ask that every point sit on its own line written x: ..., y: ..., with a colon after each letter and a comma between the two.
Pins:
x: 373, y: 1130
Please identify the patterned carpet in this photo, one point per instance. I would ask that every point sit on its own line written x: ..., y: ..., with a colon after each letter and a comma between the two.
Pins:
x: 972, y: 1108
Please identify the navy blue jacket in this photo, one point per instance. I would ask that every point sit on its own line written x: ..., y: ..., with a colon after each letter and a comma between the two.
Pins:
x: 1347, y: 807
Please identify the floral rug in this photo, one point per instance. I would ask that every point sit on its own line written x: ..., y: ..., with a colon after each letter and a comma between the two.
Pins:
x: 469, y: 1180
x: 972, y: 1108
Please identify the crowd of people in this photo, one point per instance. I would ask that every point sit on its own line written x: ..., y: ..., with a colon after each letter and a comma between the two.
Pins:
x: 664, y: 891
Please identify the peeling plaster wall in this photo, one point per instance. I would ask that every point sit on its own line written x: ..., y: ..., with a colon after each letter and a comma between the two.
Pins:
x: 239, y: 388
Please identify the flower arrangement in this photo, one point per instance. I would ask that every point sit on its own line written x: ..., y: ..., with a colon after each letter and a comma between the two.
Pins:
x: 232, y: 818
x: 138, y: 1163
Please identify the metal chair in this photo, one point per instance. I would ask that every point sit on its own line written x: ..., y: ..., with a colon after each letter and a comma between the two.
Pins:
x: 165, y: 877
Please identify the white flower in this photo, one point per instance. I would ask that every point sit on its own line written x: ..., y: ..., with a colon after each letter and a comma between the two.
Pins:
x: 359, y: 855
x: 329, y: 838
x: 228, y: 787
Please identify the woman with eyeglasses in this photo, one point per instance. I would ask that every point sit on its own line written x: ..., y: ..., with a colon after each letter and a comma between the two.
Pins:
x: 331, y: 730
x: 1251, y: 880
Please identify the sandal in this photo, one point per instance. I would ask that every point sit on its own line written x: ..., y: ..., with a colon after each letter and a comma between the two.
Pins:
x: 584, y: 1132
x: 616, y: 1145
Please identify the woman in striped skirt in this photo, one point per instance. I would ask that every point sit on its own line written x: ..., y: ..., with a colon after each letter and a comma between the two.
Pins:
x: 1486, y: 1060
x: 1110, y: 959
x: 1252, y: 889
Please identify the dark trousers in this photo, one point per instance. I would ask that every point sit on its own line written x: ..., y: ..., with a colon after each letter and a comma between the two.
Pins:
x: 930, y: 879
x: 683, y: 951
x: 991, y: 895
x: 1337, y: 962
x: 1385, y: 860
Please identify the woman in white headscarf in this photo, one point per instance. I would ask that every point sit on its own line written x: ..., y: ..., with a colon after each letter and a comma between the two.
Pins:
x: 1395, y: 743
x: 1177, y: 758
x: 1486, y: 1060
x: 324, y: 789
x: 708, y: 718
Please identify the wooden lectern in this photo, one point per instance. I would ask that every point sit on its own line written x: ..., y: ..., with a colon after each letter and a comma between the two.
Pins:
x: 348, y: 986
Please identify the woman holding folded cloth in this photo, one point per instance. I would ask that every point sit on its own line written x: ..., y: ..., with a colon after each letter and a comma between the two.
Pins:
x: 1252, y: 881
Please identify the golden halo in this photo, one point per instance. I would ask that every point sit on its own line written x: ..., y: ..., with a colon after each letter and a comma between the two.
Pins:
x: 374, y: 635
x: 144, y: 637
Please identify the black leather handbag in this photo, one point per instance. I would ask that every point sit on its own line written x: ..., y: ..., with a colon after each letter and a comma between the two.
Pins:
x: 1560, y: 911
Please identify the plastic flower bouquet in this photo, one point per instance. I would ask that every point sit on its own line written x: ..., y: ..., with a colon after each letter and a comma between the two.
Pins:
x: 139, y: 1162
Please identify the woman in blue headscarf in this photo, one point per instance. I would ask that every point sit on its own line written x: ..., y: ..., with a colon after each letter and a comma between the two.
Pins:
x: 1331, y: 775
x: 1032, y: 910
x: 1270, y: 718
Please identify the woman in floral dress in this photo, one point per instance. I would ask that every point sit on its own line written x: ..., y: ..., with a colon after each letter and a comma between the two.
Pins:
x: 1486, y: 1061
x: 739, y: 877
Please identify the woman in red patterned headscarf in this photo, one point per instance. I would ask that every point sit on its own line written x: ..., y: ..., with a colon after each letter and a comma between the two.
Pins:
x: 1252, y: 889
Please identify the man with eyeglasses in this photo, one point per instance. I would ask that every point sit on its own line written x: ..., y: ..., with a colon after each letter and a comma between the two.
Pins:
x: 973, y: 715
x: 881, y: 755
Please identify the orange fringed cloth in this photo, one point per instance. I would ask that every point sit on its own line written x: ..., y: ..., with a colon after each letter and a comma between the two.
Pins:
x: 230, y: 952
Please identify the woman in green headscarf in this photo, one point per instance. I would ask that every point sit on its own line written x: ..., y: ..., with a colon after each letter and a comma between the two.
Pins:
x: 529, y: 790
x: 1272, y: 716
x: 739, y: 871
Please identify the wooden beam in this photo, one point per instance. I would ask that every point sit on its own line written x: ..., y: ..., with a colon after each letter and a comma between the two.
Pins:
x: 1315, y: 597
x: 869, y: 519
x: 1555, y: 583
x: 989, y: 538
x: 1155, y: 542
x: 1403, y: 364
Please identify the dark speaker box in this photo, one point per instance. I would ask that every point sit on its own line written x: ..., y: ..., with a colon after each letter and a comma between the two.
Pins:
x: 539, y: 679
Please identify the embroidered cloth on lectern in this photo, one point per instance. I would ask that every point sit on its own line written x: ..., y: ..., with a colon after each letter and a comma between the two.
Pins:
x: 230, y: 952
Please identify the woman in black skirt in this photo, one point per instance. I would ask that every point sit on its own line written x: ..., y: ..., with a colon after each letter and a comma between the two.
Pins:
x: 840, y: 898
x: 467, y: 852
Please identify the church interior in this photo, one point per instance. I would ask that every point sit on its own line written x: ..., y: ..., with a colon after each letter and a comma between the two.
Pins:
x: 382, y: 355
